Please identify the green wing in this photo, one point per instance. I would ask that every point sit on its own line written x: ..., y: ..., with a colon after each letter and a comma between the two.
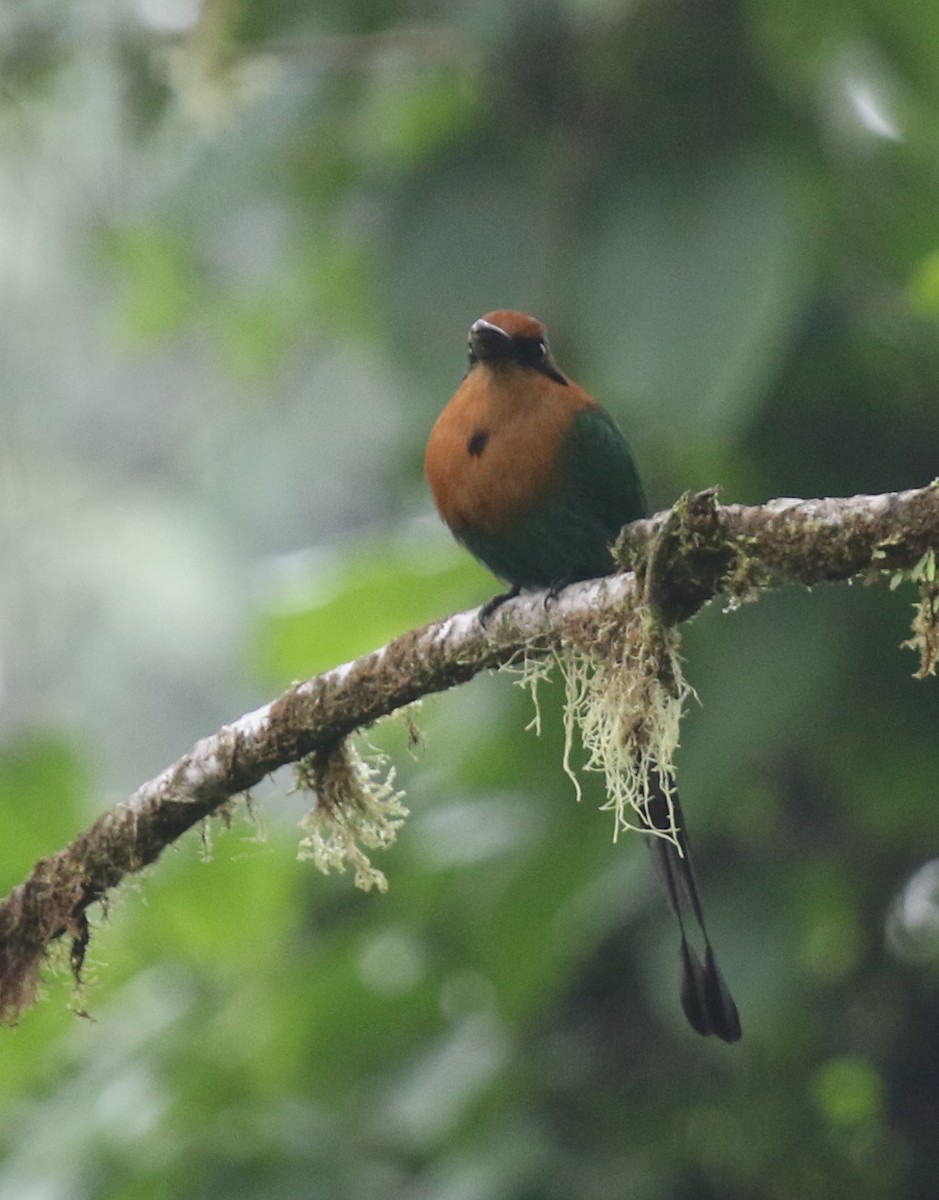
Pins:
x: 601, y: 471
x: 567, y: 534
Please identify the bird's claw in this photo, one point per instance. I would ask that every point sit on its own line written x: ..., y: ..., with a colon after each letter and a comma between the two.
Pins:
x: 554, y: 591
x: 496, y: 602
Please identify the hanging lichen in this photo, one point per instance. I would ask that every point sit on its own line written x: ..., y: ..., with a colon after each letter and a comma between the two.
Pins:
x: 925, y: 626
x: 624, y: 694
x: 624, y: 697
x: 356, y: 809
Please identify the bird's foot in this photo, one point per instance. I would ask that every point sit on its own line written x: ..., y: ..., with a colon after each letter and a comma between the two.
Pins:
x: 496, y: 602
x: 554, y: 591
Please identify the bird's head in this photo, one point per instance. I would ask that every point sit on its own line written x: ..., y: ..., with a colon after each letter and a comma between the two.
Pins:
x: 512, y: 339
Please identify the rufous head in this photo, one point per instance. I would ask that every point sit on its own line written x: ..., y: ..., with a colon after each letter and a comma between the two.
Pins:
x: 505, y: 338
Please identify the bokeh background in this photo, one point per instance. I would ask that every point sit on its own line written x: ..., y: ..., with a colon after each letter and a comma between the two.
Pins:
x: 240, y: 246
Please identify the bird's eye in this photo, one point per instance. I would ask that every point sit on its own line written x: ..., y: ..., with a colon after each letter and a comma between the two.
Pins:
x: 531, y: 351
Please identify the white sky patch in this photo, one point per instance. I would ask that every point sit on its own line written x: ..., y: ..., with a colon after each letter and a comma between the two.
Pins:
x: 870, y: 108
x: 913, y: 926
x: 301, y: 580
x: 169, y: 16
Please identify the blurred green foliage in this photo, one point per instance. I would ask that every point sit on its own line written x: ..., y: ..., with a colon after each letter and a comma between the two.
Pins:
x: 242, y: 245
x: 331, y: 608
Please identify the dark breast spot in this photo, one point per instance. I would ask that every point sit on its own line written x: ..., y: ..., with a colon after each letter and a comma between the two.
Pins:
x: 477, y: 443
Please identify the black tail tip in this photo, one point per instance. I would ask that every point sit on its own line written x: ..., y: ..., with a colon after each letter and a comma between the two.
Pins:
x: 705, y: 997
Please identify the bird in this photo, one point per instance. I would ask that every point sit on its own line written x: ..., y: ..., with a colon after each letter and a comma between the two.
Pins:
x: 534, y: 477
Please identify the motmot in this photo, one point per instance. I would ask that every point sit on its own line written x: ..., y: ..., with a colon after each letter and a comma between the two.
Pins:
x: 536, y: 480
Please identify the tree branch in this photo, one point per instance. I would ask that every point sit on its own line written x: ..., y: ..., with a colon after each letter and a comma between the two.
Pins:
x: 683, y: 558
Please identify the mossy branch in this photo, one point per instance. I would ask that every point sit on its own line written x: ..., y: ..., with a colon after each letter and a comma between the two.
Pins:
x: 682, y: 558
x: 699, y: 548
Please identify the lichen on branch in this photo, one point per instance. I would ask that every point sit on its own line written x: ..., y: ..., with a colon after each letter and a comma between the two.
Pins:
x: 355, y: 808
x: 925, y: 625
x: 624, y: 697
x: 697, y: 550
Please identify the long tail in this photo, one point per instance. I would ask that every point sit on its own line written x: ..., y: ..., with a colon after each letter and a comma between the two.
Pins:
x: 705, y: 996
